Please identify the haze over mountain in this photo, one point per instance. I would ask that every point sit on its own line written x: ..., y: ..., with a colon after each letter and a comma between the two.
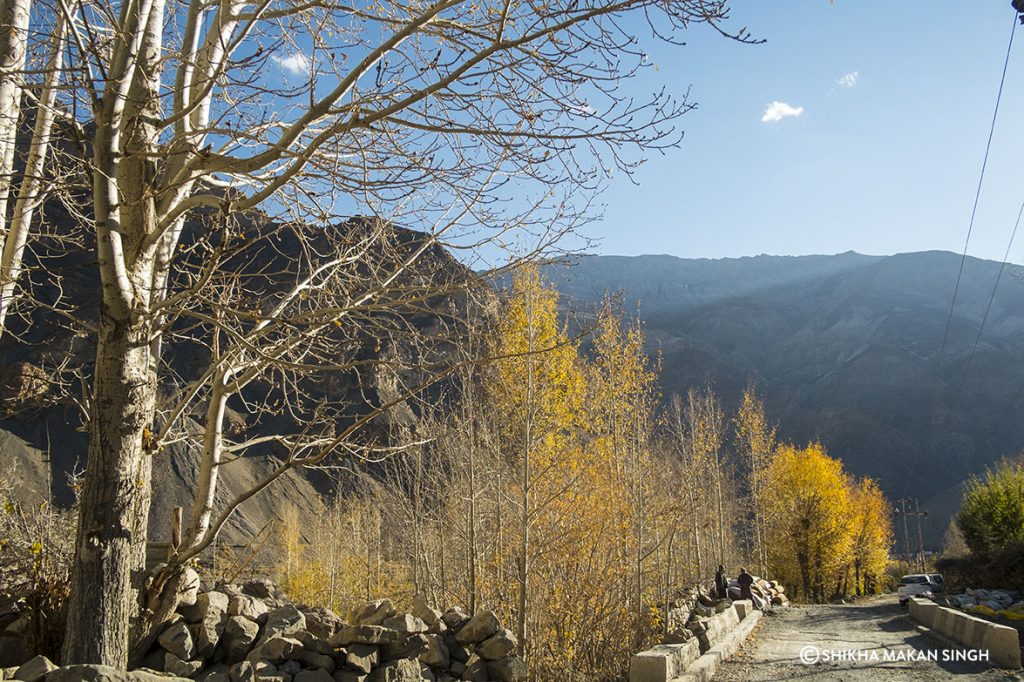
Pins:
x: 846, y: 349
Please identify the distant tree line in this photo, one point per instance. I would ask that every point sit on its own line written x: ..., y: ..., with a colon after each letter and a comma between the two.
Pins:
x: 555, y: 487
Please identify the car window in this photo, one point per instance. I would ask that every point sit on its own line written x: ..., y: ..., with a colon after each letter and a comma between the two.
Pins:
x: 913, y: 579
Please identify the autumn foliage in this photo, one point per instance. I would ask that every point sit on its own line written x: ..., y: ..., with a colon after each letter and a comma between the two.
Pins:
x: 830, y: 534
x: 554, y: 486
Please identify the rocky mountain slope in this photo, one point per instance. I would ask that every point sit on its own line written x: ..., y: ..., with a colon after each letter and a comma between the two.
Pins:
x: 46, y: 360
x: 846, y: 349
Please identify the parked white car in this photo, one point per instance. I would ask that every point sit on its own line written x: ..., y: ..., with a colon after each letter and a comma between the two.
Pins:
x: 917, y: 583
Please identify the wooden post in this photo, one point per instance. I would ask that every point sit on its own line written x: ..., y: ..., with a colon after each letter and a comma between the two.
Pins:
x: 176, y: 517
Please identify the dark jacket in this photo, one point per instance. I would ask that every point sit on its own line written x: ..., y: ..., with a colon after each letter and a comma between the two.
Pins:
x: 745, y: 580
x: 721, y: 585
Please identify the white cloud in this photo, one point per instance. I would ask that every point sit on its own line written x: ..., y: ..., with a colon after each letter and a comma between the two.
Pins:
x: 296, y: 63
x: 776, y: 111
x: 849, y: 80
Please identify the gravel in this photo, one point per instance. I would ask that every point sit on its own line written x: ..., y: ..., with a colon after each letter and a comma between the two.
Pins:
x: 884, y: 641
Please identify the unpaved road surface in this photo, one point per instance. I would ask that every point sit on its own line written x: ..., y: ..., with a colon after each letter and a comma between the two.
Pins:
x: 879, y: 633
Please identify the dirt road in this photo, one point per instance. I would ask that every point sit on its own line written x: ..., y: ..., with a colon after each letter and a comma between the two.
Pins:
x: 862, y: 642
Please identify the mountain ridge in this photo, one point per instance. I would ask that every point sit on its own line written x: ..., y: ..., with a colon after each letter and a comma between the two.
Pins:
x: 846, y: 349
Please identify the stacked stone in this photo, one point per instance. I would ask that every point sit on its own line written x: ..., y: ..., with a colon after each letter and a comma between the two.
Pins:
x: 237, y: 634
x: 692, y: 607
x: 244, y: 633
x: 770, y: 591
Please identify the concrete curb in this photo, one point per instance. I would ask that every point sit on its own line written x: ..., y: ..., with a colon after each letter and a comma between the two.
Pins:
x: 684, y: 662
x: 705, y: 667
x: 1001, y: 642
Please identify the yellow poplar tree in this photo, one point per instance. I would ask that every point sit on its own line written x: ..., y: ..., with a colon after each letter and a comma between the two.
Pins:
x: 537, y: 393
x: 809, y: 521
x: 620, y: 416
x: 755, y: 443
x: 871, y: 526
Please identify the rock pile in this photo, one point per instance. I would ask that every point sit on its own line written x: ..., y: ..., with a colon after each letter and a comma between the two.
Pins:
x: 243, y: 633
x: 766, y: 593
x: 1004, y: 603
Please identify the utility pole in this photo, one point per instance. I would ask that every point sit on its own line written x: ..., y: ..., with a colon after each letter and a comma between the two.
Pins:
x: 920, y: 536
x: 918, y: 514
x: 902, y: 512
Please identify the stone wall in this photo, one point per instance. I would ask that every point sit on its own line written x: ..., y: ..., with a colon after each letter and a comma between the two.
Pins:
x: 243, y: 633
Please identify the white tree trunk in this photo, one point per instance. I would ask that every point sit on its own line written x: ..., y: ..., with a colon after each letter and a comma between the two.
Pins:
x: 115, y: 500
x: 31, y: 193
x: 13, y: 43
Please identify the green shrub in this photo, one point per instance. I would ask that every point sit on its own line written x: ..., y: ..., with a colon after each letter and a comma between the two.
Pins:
x: 992, y: 514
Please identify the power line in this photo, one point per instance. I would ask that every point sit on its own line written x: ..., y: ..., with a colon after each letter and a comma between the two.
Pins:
x: 977, y: 193
x: 992, y: 297
x: 970, y: 228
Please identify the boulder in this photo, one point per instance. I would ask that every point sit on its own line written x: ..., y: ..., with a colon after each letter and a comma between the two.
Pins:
x: 511, y: 669
x: 322, y: 623
x: 455, y: 618
x: 239, y: 635
x: 176, y: 666
x: 408, y: 647
x: 312, y: 659
x: 436, y: 653
x: 362, y: 657
x: 372, y: 613
x: 364, y: 634
x: 475, y: 670
x: 247, y: 606
x: 456, y: 650
x: 154, y: 660
x: 478, y: 628
x: 497, y: 646
x: 313, y: 643
x: 424, y: 612
x: 283, y: 621
x: 13, y: 651
x: 216, y: 673
x: 276, y: 649
x: 407, y: 624
x: 207, y: 633
x: 349, y: 676
x: 318, y: 675
x: 178, y: 640
x: 34, y: 669
x: 102, y: 673
x: 262, y: 589
x: 208, y: 603
x: 402, y: 670
x: 264, y: 668
x: 188, y: 591
x: 243, y: 671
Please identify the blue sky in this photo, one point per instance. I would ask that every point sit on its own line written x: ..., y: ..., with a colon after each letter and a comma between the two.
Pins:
x: 885, y: 162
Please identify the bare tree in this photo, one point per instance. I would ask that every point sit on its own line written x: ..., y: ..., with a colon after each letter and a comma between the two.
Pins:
x: 755, y: 440
x: 472, y: 121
